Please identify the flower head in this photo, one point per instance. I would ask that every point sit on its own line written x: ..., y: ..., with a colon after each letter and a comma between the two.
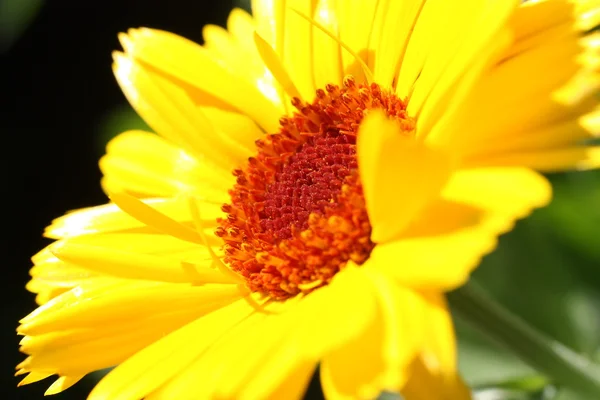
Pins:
x: 324, y: 172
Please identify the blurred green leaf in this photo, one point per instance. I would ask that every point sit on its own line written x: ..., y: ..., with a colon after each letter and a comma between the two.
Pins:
x: 483, y: 363
x: 560, y: 364
x: 574, y: 217
x: 569, y: 395
x: 535, y: 276
x: 546, y: 271
x: 245, y: 4
x: 15, y: 17
x: 514, y: 394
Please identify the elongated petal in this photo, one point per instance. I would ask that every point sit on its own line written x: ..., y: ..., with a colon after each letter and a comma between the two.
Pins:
x: 326, y: 52
x: 506, y: 193
x: 235, y: 46
x: 62, y: 383
x: 83, y: 350
x: 545, y: 121
x: 32, y: 377
x: 275, y: 65
x: 442, y: 247
x: 143, y: 163
x: 388, y: 159
x: 161, y: 361
x: 110, y: 218
x: 106, y: 300
x: 130, y: 265
x: 434, y: 374
x: 282, y: 342
x: 442, y: 51
x: 549, y: 160
x: 168, y: 108
x: 356, y: 34
x: 290, y: 36
x: 175, y: 222
x: 379, y: 358
x: 160, y: 49
x: 393, y: 28
x: 50, y: 276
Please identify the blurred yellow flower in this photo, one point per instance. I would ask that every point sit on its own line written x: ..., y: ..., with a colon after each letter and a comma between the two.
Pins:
x: 377, y: 148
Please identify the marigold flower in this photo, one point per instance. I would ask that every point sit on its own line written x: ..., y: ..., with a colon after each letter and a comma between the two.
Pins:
x: 325, y: 171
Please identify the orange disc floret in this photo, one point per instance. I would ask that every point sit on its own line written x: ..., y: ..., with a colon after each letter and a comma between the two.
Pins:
x: 297, y: 213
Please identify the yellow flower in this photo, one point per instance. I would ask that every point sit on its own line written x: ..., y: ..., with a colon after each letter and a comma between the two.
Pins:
x: 400, y: 141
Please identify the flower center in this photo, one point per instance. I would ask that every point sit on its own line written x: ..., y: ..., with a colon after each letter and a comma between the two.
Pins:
x: 297, y: 214
x: 308, y: 182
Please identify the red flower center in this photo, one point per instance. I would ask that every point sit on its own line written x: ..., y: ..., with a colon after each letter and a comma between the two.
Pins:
x: 308, y: 182
x: 297, y: 213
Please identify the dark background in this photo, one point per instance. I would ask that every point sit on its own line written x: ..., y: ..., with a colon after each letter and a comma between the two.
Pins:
x: 60, y: 104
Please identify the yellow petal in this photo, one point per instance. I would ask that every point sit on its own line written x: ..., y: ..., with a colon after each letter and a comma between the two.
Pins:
x: 62, y: 383
x: 346, y: 291
x: 442, y: 53
x: 442, y: 246
x: 83, y: 357
x: 503, y: 193
x: 302, y: 345
x: 290, y: 36
x: 441, y: 261
x: 235, y: 46
x: 548, y: 137
x: 107, y: 300
x: 298, y: 39
x: 172, y: 222
x: 326, y: 52
x: 113, y: 339
x: 147, y: 164
x: 293, y: 343
x: 50, y: 277
x: 235, y: 126
x: 424, y: 385
x: 130, y: 265
x: 294, y: 385
x: 535, y: 17
x: 439, y: 341
x: 379, y: 359
x: 169, y: 356
x: 359, y: 67
x: 169, y: 108
x: 530, y: 103
x: 438, y: 43
x: 388, y: 158
x: 588, y: 14
x: 435, y: 375
x: 272, y: 61
x: 161, y: 50
x: 33, y: 377
x: 355, y: 33
x: 110, y: 218
x: 222, y: 375
x: 289, y: 340
x: 393, y: 26
x: 270, y: 16
x: 279, y: 377
x: 105, y: 218
x: 550, y: 160
x: 547, y: 116
x: 133, y: 242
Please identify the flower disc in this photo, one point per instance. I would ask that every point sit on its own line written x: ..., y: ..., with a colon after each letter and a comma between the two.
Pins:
x: 297, y: 213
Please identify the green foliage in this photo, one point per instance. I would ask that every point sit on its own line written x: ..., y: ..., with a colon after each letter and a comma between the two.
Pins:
x: 547, y: 272
x: 15, y: 17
